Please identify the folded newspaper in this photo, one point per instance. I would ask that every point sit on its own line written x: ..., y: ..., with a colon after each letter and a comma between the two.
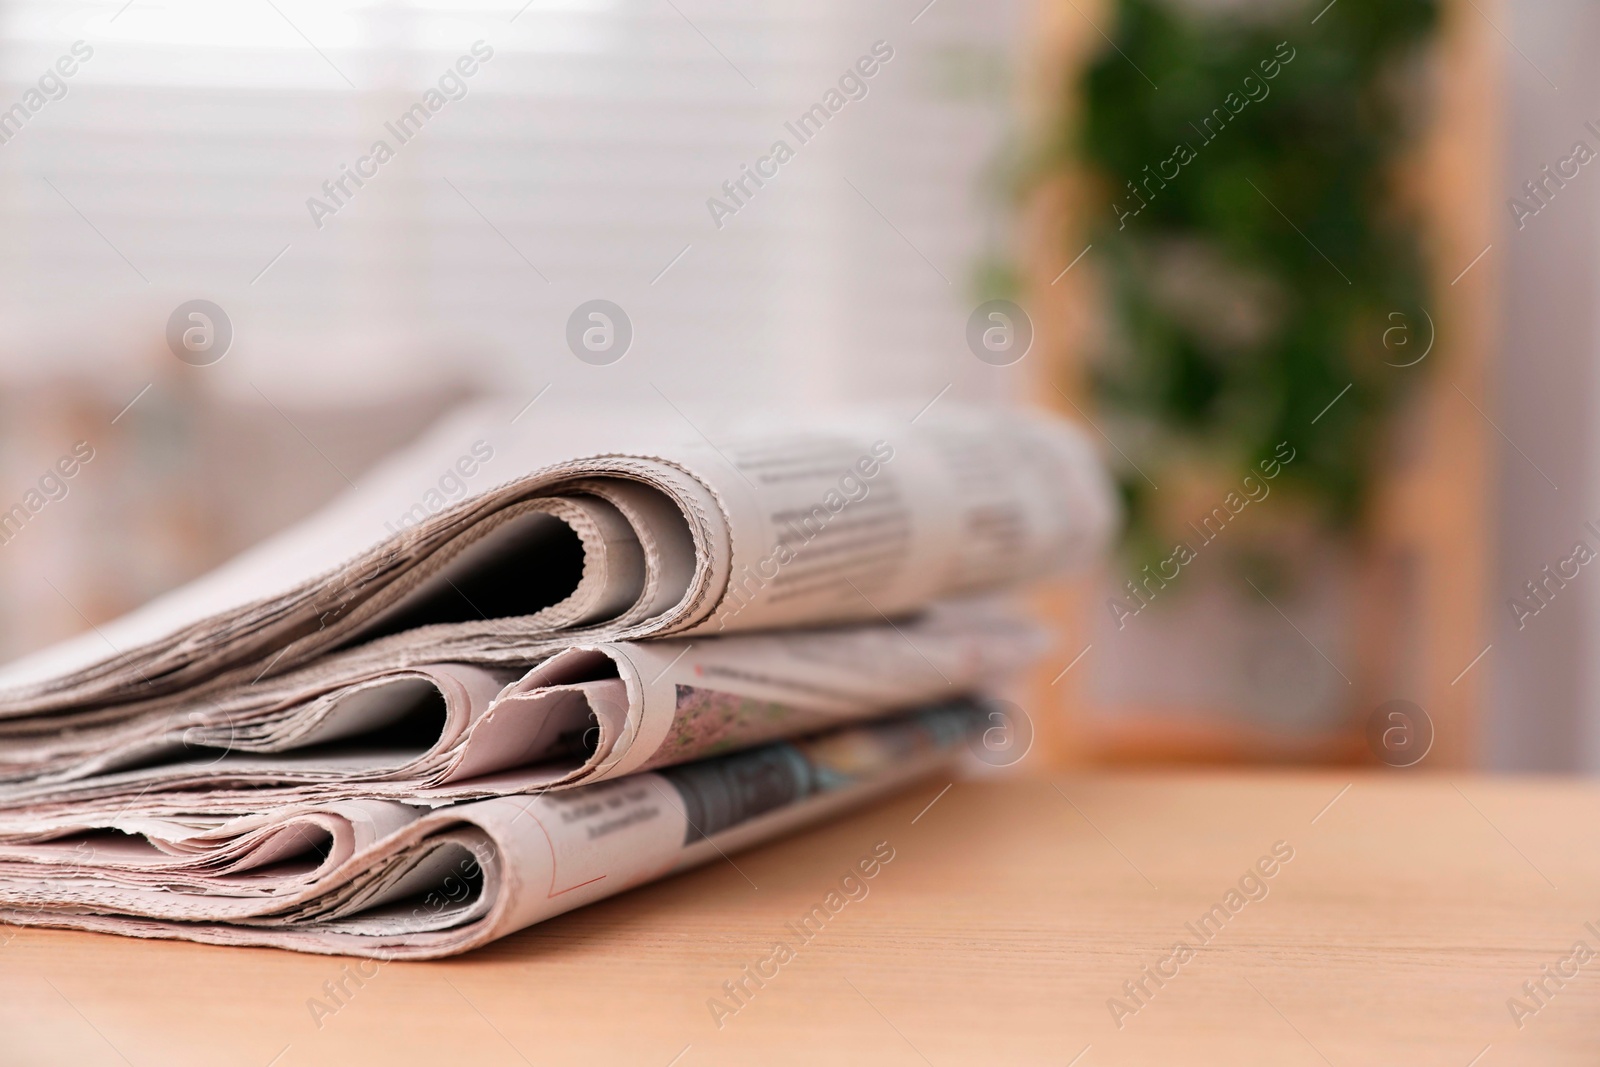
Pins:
x: 534, y: 643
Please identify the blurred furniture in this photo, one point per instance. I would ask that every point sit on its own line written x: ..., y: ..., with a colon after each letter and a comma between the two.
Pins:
x: 182, y: 478
x: 1400, y: 614
x: 1012, y: 912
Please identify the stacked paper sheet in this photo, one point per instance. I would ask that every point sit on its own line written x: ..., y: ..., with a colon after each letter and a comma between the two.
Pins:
x: 531, y: 663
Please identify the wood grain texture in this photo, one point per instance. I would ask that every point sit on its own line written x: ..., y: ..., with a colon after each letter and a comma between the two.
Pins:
x: 1413, y: 907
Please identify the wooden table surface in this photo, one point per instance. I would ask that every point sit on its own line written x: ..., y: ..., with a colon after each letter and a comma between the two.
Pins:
x: 1413, y: 909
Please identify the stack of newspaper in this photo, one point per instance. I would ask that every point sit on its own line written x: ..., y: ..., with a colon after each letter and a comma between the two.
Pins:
x: 533, y: 661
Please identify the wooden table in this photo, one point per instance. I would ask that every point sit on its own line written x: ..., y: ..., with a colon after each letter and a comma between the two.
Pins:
x: 1413, y: 908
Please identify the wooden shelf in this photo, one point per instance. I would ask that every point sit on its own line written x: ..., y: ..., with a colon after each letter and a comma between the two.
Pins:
x: 1432, y: 512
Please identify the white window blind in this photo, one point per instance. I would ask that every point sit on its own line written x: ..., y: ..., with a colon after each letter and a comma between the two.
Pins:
x: 577, y: 165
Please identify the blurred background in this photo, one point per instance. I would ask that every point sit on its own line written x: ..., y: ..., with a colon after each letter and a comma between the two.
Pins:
x: 1319, y: 275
